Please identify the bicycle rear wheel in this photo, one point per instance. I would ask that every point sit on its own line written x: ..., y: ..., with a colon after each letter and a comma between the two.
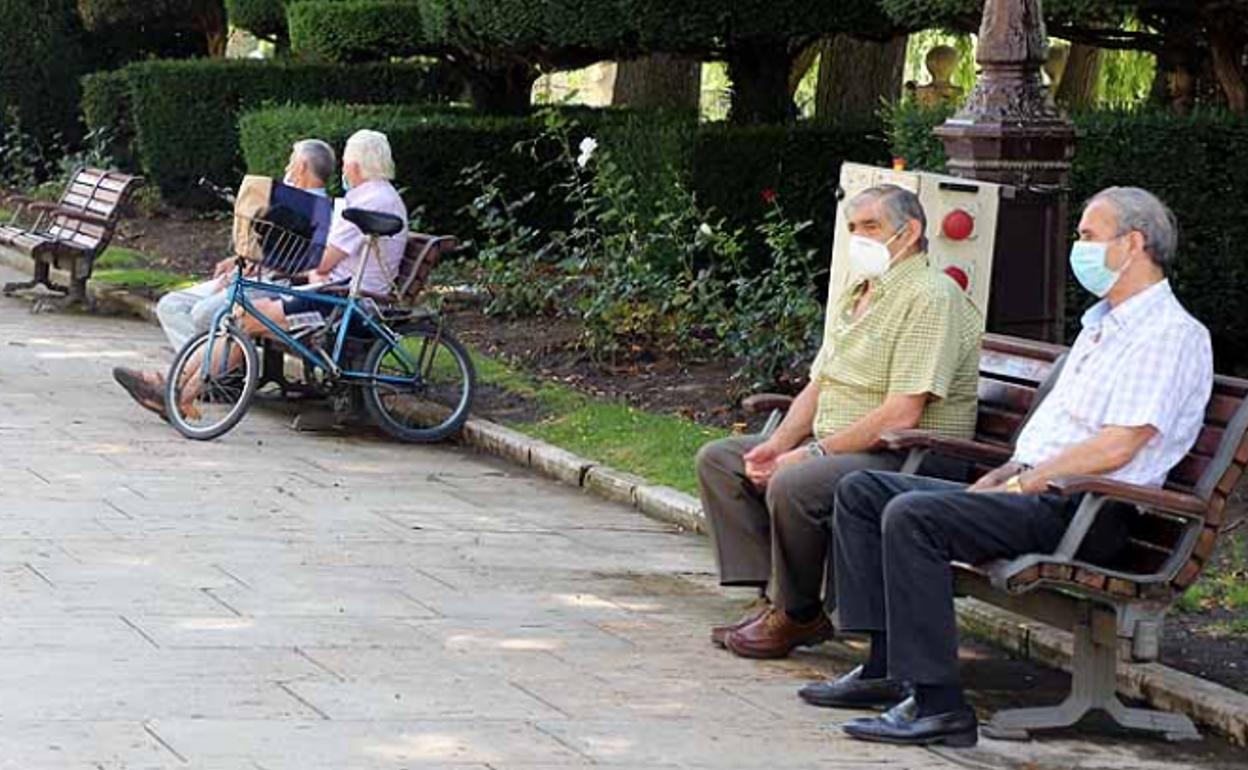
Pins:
x: 209, y: 389
x: 420, y: 386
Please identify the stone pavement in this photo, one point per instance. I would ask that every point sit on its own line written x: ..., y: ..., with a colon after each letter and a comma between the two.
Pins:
x: 284, y: 601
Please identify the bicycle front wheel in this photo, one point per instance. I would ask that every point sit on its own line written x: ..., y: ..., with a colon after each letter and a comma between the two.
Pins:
x: 210, y: 386
x: 420, y: 387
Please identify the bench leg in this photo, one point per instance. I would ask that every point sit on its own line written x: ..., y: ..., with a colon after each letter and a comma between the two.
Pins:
x: 41, y: 277
x: 1094, y: 686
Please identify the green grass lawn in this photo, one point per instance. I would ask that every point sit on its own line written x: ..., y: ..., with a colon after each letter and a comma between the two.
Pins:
x: 657, y: 447
x: 129, y: 269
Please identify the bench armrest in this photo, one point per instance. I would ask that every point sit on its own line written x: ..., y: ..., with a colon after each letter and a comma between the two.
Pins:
x: 1151, y: 497
x: 762, y: 403
x: 961, y: 449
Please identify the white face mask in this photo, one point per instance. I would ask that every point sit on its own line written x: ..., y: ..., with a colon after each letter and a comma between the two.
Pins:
x: 869, y: 259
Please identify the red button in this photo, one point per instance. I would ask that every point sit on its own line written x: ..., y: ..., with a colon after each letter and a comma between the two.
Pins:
x: 959, y: 276
x: 958, y: 225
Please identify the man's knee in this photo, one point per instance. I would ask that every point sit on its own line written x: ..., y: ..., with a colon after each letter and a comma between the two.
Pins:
x: 907, y: 514
x: 717, y: 457
x: 858, y: 496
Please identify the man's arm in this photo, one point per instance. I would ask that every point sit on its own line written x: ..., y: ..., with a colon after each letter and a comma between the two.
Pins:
x: 1109, y: 450
x: 898, y: 412
x: 799, y: 421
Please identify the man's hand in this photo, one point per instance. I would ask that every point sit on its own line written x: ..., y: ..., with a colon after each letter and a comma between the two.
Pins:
x: 792, y: 457
x: 222, y: 268
x: 994, y: 481
x: 760, y: 463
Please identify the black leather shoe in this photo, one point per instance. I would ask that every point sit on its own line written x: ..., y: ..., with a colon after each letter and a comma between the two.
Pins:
x: 902, y: 725
x: 853, y: 692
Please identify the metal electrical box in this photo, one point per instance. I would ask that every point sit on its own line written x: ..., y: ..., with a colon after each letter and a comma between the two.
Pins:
x: 962, y: 225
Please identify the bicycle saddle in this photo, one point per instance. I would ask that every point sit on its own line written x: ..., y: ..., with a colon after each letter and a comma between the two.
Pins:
x: 374, y: 222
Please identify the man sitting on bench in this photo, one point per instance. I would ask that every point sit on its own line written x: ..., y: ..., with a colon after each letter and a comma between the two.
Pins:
x: 901, y: 350
x: 1128, y: 405
x: 188, y: 312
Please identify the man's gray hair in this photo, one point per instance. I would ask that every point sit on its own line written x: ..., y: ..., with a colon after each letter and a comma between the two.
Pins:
x: 370, y: 149
x: 322, y: 161
x: 1140, y: 211
x: 897, y: 204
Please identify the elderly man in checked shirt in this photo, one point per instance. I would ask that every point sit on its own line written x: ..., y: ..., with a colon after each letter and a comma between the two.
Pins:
x: 901, y: 350
x: 1128, y: 405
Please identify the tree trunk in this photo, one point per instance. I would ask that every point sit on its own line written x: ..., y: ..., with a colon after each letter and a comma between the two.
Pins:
x: 659, y: 81
x: 1077, y: 89
x: 501, y: 89
x: 857, y: 76
x: 759, y: 72
x: 1227, y: 48
x: 802, y: 64
x: 211, y: 21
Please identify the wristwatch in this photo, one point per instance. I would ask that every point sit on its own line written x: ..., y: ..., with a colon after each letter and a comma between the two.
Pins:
x: 815, y: 449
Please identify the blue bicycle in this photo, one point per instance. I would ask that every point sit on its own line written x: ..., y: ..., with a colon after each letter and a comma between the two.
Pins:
x: 416, y: 380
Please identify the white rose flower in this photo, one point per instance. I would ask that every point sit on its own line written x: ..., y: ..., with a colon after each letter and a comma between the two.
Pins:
x: 588, y: 146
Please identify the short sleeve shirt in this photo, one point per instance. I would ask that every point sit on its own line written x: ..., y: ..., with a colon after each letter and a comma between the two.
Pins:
x: 1144, y: 362
x: 920, y: 334
x: 375, y: 195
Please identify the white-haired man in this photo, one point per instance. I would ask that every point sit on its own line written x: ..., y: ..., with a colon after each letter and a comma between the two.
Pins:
x: 188, y: 312
x: 367, y: 172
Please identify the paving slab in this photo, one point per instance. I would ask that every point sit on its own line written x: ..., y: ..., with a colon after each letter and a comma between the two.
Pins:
x: 277, y: 600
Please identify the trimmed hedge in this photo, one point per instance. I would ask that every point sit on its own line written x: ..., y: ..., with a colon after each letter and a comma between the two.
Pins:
x: 431, y: 148
x: 966, y: 14
x: 1197, y: 164
x: 353, y: 29
x: 727, y: 167
x: 262, y: 18
x: 356, y: 30
x: 183, y: 114
x: 734, y: 165
x: 41, y: 59
x: 106, y: 104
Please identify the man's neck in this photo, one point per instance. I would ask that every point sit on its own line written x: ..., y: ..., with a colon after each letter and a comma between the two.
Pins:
x: 1129, y: 286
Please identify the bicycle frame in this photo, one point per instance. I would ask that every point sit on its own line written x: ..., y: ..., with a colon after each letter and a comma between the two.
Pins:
x: 350, y: 305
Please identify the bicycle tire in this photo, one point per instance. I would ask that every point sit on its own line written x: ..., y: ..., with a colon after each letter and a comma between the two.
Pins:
x: 251, y: 379
x: 391, y: 420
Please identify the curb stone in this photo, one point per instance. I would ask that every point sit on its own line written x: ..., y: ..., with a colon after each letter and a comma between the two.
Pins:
x: 1210, y: 704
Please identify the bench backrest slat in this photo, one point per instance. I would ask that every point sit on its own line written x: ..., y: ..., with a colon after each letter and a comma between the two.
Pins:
x: 422, y: 254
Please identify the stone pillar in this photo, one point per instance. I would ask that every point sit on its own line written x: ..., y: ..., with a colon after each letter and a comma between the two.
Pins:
x: 1010, y: 132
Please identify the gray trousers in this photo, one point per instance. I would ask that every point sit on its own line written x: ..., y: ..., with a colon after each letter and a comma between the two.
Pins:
x: 896, y: 537
x: 187, y: 312
x: 780, y: 537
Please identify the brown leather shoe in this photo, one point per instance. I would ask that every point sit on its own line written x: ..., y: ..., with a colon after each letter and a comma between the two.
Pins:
x: 720, y: 633
x: 775, y: 635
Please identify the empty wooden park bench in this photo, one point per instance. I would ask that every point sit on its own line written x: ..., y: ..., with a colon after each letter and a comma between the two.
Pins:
x: 71, y: 233
x: 1128, y: 553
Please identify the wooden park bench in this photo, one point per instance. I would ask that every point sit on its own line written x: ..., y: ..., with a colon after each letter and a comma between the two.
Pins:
x: 421, y: 255
x: 71, y: 233
x: 1128, y: 553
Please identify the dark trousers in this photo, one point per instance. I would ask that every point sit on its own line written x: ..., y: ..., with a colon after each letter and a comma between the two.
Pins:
x: 896, y: 537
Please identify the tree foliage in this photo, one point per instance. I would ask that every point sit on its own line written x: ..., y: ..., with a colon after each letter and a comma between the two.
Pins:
x: 42, y: 60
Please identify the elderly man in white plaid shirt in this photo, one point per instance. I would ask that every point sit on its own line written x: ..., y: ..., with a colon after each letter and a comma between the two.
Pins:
x: 1128, y: 405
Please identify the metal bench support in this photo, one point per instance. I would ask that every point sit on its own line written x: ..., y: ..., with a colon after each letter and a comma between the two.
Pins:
x: 1093, y: 687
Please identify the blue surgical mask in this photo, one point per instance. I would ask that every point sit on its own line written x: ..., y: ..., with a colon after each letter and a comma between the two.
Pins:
x: 1088, y: 263
x: 346, y: 184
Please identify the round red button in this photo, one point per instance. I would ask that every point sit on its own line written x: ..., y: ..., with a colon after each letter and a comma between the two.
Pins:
x: 958, y: 225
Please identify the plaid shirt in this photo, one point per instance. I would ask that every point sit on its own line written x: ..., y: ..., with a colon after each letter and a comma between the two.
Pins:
x: 1145, y: 362
x: 919, y: 334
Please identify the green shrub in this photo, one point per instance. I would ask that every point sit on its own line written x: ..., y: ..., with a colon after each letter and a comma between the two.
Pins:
x: 40, y: 63
x: 737, y: 170
x: 432, y: 146
x: 1197, y: 164
x: 106, y: 108
x: 357, y: 30
x: 262, y: 18
x: 184, y: 113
